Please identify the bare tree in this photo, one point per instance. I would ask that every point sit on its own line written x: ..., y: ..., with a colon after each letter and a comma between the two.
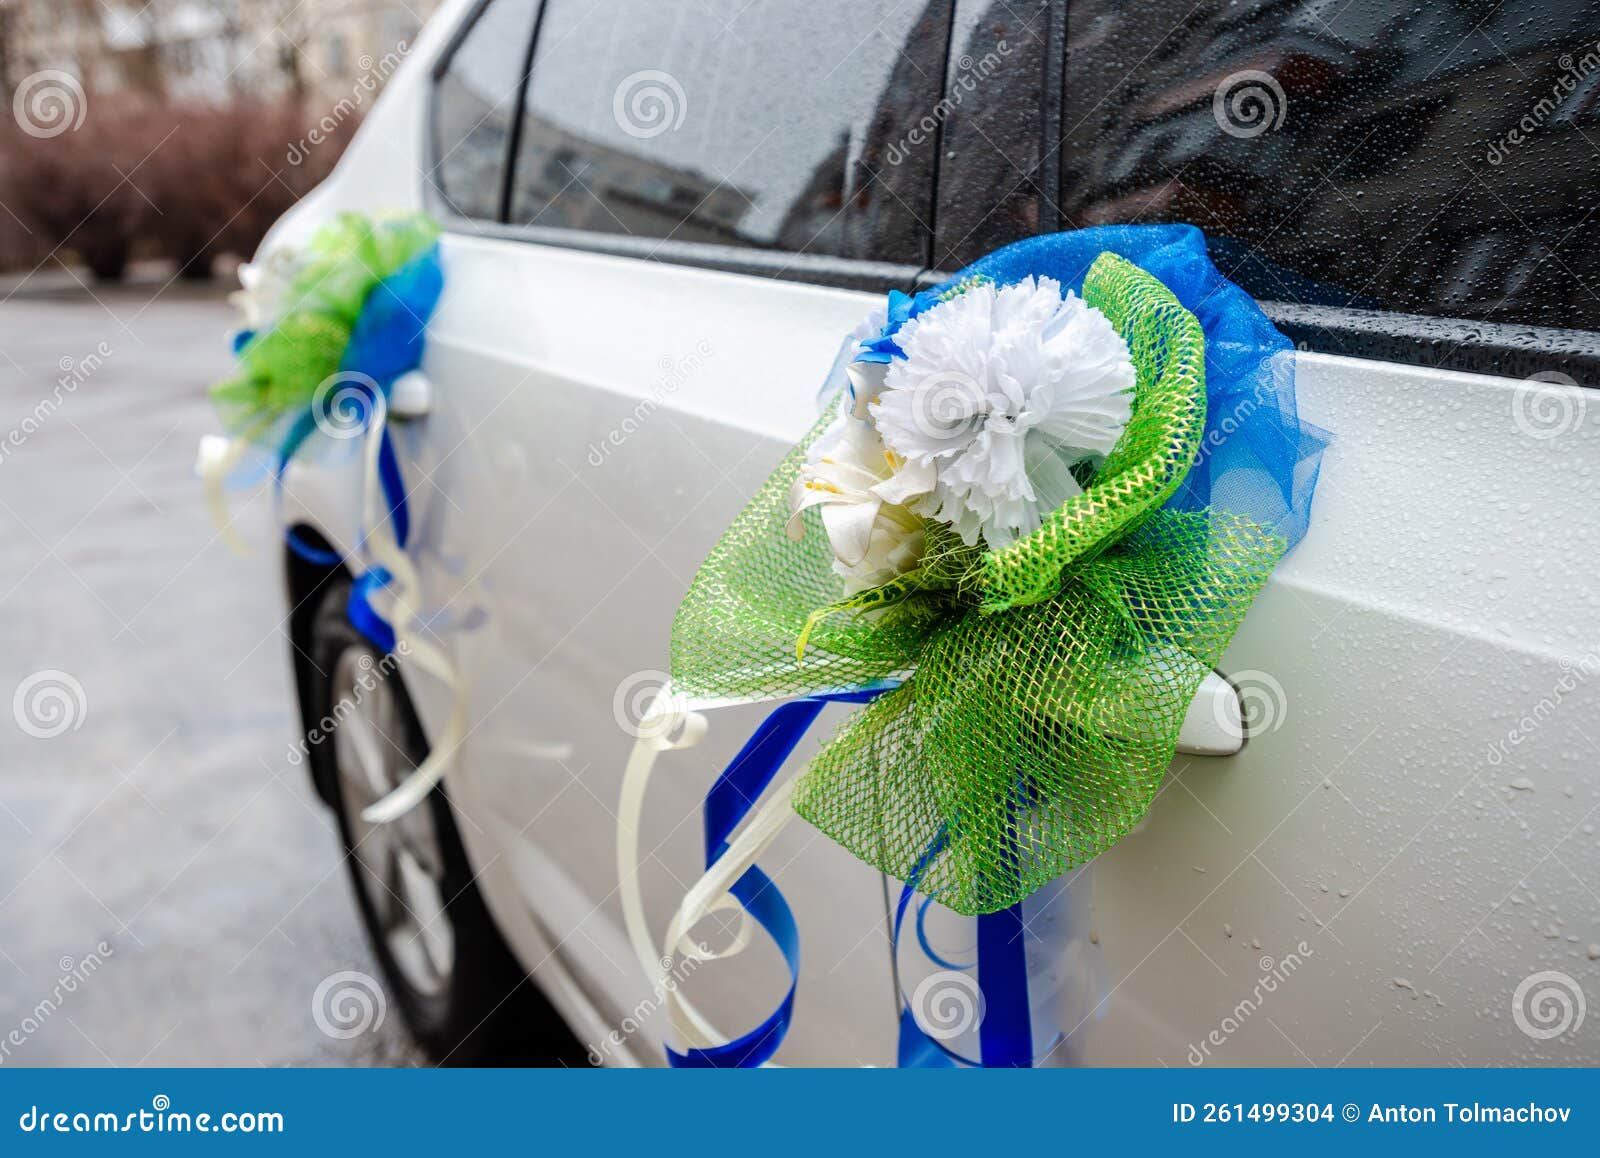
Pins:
x: 287, y: 27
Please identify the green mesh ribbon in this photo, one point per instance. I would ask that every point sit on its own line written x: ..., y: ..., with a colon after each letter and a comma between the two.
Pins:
x: 280, y: 368
x: 1050, y: 677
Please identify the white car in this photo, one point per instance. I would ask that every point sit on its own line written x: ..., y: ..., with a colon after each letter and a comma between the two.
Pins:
x: 660, y: 221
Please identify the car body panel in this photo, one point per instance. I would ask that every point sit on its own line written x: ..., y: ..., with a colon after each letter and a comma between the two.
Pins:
x: 1408, y: 823
x: 1405, y: 809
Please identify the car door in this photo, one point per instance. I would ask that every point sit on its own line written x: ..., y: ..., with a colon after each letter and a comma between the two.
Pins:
x: 1401, y: 866
x: 700, y: 202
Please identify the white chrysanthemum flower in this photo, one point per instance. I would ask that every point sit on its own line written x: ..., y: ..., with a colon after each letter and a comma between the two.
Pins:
x: 861, y: 488
x: 1003, y: 390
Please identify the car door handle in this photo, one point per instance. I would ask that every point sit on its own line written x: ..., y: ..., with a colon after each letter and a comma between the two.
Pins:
x: 1214, y: 723
x: 411, y: 395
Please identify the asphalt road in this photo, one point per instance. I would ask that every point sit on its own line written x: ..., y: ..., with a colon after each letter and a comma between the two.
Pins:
x: 171, y: 893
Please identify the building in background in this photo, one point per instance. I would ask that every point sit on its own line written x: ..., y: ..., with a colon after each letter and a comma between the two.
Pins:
x: 209, y: 49
x: 178, y: 130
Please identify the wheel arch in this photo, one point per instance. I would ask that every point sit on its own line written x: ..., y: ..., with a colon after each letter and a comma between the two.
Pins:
x: 307, y: 578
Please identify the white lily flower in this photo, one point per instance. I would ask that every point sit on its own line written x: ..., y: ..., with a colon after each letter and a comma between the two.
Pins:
x: 1002, y: 391
x: 264, y: 288
x: 866, y: 378
x: 861, y: 488
x: 866, y: 383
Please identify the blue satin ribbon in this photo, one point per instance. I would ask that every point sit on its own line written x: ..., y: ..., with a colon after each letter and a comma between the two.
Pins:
x: 316, y: 556
x: 386, y: 342
x: 362, y: 613
x: 1005, y: 1033
x: 899, y: 310
x: 726, y: 805
x: 363, y: 617
x: 1006, y: 1030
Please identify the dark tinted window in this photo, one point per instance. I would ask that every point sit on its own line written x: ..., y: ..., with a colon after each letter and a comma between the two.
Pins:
x: 473, y: 106
x: 993, y: 126
x: 761, y: 123
x: 1433, y: 158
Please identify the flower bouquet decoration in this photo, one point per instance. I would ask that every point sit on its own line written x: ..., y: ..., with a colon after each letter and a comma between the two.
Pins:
x: 1021, y: 535
x: 330, y: 329
x: 355, y: 300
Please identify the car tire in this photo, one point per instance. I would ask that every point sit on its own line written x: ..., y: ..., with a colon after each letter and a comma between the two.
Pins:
x: 461, y: 991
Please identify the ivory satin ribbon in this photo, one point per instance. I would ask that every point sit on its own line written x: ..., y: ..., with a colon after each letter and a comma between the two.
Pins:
x: 674, y: 724
x: 216, y: 460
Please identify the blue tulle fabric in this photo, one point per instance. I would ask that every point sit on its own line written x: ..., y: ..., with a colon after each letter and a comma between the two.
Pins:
x: 389, y: 336
x: 1257, y: 459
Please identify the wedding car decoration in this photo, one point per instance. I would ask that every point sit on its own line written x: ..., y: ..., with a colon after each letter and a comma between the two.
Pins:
x: 1020, y: 536
x: 331, y: 331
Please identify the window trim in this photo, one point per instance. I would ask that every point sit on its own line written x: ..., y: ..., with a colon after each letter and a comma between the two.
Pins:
x: 803, y: 268
x: 1437, y: 343
x: 1503, y: 349
x: 776, y: 264
x: 508, y: 170
x: 1054, y: 102
x: 1046, y: 174
x: 1500, y: 349
x: 441, y: 63
x: 434, y: 198
x: 1434, y: 343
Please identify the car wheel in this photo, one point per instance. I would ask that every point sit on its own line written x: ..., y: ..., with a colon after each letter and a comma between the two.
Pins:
x: 461, y: 991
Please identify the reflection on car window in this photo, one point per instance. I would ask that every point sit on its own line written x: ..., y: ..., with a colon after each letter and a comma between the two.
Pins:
x: 740, y: 122
x: 1433, y: 158
x: 991, y: 118
x: 473, y: 108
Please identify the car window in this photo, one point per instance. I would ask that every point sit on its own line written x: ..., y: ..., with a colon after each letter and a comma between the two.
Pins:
x: 991, y: 124
x: 1431, y: 159
x: 475, y: 98
x: 758, y: 123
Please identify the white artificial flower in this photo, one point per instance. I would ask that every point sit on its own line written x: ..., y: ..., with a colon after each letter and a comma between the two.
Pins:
x: 861, y: 489
x: 1002, y: 390
x: 865, y: 378
x: 866, y: 383
x: 264, y: 288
